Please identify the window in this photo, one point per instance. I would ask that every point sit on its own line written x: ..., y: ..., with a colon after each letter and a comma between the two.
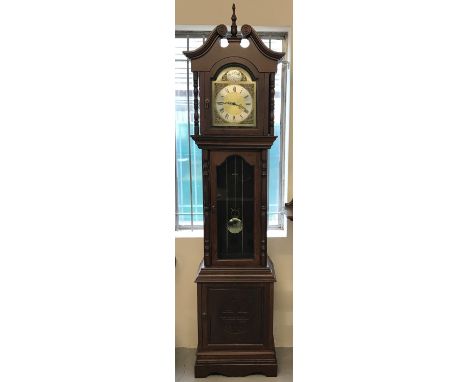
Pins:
x: 189, y: 186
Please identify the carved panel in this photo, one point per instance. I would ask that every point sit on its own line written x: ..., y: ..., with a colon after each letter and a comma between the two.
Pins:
x: 235, y: 314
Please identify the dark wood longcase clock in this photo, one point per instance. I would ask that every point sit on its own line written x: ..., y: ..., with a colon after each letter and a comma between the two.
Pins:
x: 234, y: 116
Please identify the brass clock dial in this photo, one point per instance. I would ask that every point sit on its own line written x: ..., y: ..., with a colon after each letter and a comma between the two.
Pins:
x: 234, y: 103
x: 235, y: 98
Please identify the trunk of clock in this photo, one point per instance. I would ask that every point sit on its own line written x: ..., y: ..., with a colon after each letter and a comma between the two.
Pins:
x: 236, y: 277
x: 235, y: 187
x: 235, y: 321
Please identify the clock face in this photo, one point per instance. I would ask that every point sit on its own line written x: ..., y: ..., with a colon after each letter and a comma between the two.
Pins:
x: 234, y: 103
x: 234, y: 98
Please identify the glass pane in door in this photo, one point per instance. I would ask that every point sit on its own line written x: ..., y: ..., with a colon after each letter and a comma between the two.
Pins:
x: 235, y: 208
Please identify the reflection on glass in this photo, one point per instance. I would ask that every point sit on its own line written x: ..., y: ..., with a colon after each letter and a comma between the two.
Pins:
x: 235, y: 207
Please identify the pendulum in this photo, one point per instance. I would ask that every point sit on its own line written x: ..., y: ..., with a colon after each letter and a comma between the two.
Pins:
x: 234, y: 225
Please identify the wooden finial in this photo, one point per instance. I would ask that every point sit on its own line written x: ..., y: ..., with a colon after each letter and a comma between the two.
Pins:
x: 234, y: 18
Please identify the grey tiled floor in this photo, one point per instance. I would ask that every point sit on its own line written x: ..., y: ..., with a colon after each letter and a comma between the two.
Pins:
x: 185, y: 360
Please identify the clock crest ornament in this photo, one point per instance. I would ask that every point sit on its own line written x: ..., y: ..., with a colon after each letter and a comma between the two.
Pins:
x: 233, y: 125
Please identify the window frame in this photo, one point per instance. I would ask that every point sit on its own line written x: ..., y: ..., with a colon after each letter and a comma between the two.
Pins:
x: 184, y: 31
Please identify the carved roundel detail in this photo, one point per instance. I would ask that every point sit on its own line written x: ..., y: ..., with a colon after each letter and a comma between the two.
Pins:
x: 221, y: 29
x: 235, y: 315
x: 246, y: 30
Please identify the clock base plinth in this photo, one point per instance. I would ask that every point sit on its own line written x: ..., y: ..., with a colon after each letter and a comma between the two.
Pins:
x: 235, y: 364
x: 235, y: 321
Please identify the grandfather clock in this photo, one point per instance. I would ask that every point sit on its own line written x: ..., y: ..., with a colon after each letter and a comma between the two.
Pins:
x: 233, y: 125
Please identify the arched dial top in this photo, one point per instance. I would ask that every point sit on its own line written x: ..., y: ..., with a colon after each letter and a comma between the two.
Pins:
x: 234, y: 94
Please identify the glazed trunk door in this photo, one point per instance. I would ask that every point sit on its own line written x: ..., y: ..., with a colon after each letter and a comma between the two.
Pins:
x: 235, y: 208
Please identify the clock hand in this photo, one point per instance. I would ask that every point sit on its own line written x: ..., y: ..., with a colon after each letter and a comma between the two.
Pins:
x: 242, y: 107
x: 235, y: 104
